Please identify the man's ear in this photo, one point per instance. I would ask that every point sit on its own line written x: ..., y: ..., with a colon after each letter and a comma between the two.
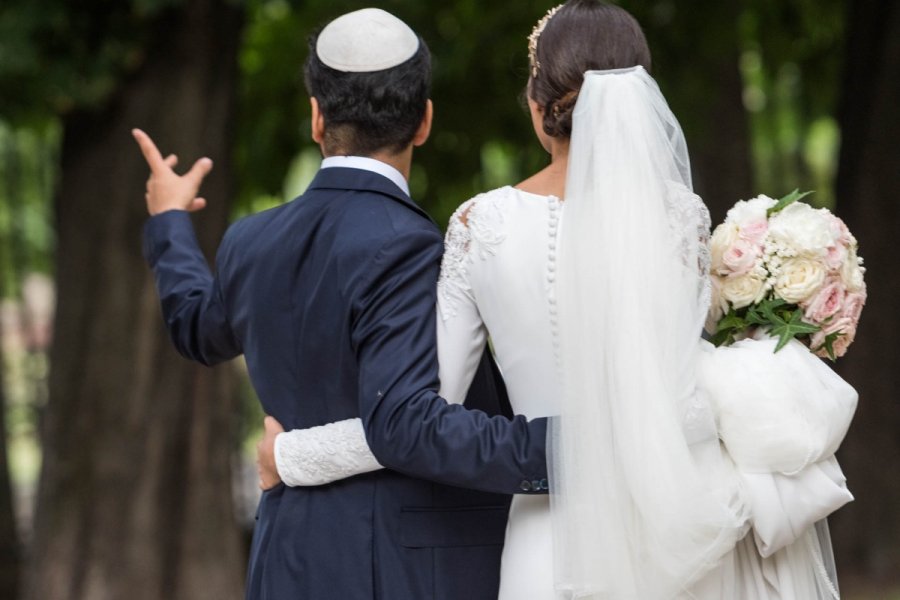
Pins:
x: 425, y: 127
x: 318, y: 122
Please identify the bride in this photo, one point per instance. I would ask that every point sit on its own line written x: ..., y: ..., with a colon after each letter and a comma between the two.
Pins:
x: 591, y: 279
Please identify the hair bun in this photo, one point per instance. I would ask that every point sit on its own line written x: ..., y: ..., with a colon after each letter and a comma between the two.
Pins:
x: 558, y: 115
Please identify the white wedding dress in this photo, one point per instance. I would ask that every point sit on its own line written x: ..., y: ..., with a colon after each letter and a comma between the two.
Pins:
x: 497, y: 277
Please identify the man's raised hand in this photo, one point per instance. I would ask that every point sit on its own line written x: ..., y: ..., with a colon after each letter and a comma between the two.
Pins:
x: 166, y: 190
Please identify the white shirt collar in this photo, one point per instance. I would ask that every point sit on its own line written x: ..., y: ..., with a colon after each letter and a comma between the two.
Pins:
x: 368, y: 164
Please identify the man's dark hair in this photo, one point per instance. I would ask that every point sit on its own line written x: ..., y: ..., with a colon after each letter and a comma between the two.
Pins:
x: 370, y: 112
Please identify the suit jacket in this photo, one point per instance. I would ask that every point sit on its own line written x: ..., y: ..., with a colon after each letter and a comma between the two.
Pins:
x: 331, y: 300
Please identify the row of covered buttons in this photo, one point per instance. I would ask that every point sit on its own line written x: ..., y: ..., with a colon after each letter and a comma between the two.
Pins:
x: 551, y: 274
x: 534, y: 486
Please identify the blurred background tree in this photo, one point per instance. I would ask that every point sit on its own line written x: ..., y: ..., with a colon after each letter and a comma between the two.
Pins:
x: 868, y: 186
x: 125, y: 456
x: 134, y: 494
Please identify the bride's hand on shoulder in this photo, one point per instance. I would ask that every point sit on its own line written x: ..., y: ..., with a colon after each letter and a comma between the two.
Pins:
x: 265, y: 454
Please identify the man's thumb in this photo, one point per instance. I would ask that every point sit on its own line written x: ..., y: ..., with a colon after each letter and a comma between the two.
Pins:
x: 200, y: 170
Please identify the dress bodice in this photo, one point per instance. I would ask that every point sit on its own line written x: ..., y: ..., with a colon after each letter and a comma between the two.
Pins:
x: 497, y: 280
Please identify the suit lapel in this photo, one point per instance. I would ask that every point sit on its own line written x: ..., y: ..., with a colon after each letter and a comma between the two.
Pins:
x: 343, y: 178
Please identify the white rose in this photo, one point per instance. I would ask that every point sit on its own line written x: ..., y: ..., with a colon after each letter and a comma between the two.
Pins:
x: 744, y: 290
x: 803, y: 228
x: 799, y: 279
x: 851, y: 273
x: 723, y: 238
x: 748, y: 211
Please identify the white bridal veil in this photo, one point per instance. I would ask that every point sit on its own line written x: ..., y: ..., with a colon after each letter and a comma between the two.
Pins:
x: 633, y: 515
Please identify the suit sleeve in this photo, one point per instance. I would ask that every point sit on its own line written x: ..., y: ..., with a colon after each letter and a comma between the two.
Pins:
x: 190, y: 296
x: 408, y: 426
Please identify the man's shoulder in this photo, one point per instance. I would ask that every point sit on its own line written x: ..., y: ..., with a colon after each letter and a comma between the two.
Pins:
x: 389, y: 211
x: 250, y: 224
x: 366, y: 220
x: 361, y: 221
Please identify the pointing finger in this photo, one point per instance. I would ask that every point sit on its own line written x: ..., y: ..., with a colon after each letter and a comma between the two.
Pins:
x: 149, y: 150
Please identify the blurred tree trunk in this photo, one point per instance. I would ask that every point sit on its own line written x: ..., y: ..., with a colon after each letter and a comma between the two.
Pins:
x: 867, y: 532
x: 10, y: 557
x: 135, y: 489
x: 697, y: 63
x: 720, y: 150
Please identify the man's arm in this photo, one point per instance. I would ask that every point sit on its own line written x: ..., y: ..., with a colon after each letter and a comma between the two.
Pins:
x: 409, y: 427
x: 191, y: 300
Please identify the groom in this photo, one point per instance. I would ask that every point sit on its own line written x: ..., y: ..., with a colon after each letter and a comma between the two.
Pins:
x: 331, y: 300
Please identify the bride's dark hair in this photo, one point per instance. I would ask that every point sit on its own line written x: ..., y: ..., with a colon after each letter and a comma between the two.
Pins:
x: 584, y: 35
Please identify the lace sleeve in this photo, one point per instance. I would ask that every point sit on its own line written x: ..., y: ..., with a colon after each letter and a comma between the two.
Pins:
x: 474, y: 233
x: 325, y: 454
x: 690, y: 223
x: 453, y: 286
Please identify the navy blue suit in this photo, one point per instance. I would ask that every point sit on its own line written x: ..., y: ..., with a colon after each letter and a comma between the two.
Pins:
x: 331, y: 300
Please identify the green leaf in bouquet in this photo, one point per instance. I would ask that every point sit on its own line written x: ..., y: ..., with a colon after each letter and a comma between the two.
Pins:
x: 766, y: 312
x: 756, y: 316
x: 828, y: 344
x: 727, y: 327
x: 722, y: 338
x: 787, y: 201
x: 787, y: 329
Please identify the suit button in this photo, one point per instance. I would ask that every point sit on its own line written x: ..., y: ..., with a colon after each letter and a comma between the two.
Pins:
x: 525, y: 486
x: 536, y: 485
x: 545, y: 485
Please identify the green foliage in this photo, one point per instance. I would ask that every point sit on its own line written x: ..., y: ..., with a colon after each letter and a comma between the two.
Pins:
x: 787, y: 201
x: 775, y: 316
x: 786, y: 325
x: 481, y: 137
x: 792, y: 53
x: 790, y: 68
x: 60, y: 56
x: 729, y: 326
x: 272, y: 100
x: 828, y: 344
x: 28, y: 158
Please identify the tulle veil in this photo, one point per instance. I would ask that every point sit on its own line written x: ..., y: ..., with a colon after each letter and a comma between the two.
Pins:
x: 633, y: 515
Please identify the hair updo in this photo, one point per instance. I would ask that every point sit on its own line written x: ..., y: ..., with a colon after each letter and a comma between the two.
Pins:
x: 584, y: 35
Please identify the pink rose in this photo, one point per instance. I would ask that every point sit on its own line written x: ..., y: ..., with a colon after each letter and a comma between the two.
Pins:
x: 840, y: 231
x: 741, y: 257
x: 827, y: 302
x: 853, y: 305
x: 847, y: 330
x: 835, y: 256
x: 755, y: 231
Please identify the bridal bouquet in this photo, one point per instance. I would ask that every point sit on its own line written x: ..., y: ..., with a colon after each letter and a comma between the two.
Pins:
x: 787, y: 268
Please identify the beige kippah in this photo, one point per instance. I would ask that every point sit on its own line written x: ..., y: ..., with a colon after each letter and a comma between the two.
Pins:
x: 366, y: 40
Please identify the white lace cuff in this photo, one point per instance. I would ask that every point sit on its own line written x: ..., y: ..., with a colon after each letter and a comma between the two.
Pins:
x: 324, y: 454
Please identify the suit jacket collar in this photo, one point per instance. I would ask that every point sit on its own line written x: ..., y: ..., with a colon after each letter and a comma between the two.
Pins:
x: 343, y: 178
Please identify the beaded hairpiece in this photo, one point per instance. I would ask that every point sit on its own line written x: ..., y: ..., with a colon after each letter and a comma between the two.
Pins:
x: 533, y: 39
